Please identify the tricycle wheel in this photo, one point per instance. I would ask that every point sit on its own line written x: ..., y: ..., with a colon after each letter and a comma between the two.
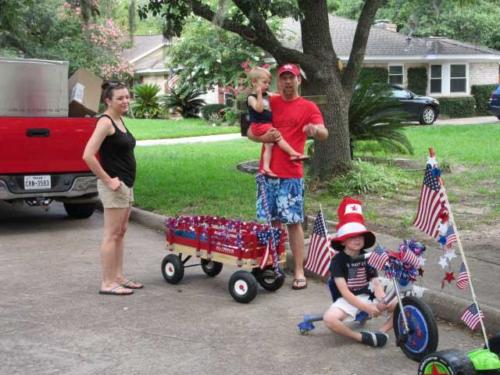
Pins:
x: 422, y: 338
x: 211, y: 268
x: 172, y: 269
x: 268, y: 278
x: 494, y: 343
x: 243, y: 286
x: 447, y: 362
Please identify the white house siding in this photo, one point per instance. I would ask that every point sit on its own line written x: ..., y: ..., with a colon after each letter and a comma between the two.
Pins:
x: 156, y: 79
x: 483, y: 73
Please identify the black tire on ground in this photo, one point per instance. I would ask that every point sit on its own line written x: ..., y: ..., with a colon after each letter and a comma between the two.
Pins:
x: 79, y: 210
x: 268, y: 279
x: 423, y: 336
x: 494, y: 343
x: 211, y: 268
x: 498, y: 117
x: 452, y: 361
x: 243, y: 286
x: 428, y: 116
x: 172, y: 269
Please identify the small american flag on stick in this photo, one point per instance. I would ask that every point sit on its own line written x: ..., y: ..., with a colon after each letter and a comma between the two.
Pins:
x: 463, y: 277
x: 431, y: 202
x: 472, y: 316
x: 378, y: 258
x: 319, y: 254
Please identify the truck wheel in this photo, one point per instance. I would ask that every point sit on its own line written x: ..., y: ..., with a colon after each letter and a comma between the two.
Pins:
x: 422, y: 338
x: 79, y: 210
x: 268, y: 279
x: 446, y: 362
x: 211, y: 268
x: 243, y: 286
x: 172, y: 269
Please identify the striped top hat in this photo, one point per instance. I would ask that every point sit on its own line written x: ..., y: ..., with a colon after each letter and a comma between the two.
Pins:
x: 351, y: 224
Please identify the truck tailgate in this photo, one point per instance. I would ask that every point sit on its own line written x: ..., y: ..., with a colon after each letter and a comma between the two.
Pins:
x: 43, y: 144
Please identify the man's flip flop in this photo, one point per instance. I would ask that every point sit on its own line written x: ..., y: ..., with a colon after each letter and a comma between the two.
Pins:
x: 116, y: 291
x: 129, y: 284
x: 298, y: 284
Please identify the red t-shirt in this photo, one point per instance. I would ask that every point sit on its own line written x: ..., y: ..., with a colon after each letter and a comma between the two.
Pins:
x: 290, y: 117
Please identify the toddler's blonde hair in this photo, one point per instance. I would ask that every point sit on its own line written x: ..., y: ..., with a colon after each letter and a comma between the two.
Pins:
x: 257, y: 73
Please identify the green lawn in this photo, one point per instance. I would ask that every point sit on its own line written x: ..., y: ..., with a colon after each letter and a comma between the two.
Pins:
x: 203, y: 179
x: 160, y: 129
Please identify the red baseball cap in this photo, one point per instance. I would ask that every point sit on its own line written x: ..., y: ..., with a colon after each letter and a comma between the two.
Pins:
x: 290, y: 68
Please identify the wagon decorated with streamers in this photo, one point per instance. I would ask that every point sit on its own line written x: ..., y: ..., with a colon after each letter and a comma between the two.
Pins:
x: 256, y: 249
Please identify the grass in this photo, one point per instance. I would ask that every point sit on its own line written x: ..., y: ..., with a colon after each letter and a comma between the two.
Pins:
x: 203, y: 179
x: 161, y: 129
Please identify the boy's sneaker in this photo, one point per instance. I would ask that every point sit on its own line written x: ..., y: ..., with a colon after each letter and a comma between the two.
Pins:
x: 375, y: 339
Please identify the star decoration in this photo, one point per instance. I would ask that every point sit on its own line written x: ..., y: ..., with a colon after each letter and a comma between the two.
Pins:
x: 443, y: 262
x: 421, y: 272
x: 449, y: 276
x: 450, y: 254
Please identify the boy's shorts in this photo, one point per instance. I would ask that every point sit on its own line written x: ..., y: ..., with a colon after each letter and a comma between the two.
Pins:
x: 260, y: 128
x: 342, y: 304
x: 121, y: 198
x: 285, y: 200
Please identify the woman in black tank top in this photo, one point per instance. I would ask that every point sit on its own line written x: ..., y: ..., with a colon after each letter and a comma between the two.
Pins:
x: 115, y: 169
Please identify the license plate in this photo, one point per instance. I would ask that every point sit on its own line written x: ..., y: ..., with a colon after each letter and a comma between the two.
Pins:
x: 37, y: 182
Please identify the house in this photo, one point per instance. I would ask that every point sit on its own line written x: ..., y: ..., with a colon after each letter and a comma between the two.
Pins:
x: 452, y: 67
x: 149, y: 56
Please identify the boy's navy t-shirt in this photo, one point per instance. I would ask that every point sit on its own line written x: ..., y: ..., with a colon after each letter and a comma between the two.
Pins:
x: 357, y: 274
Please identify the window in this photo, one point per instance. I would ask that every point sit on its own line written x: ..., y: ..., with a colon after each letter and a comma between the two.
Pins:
x: 458, y: 78
x: 401, y: 94
x: 396, y: 74
x: 436, y: 78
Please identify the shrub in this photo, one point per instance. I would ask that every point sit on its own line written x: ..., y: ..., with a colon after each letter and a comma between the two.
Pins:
x: 464, y: 106
x: 375, y: 115
x: 184, y: 98
x: 482, y: 95
x: 417, y: 80
x: 146, y: 104
x: 367, y: 178
x: 211, y: 111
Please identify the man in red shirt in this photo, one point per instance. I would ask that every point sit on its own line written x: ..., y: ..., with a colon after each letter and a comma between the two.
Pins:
x: 294, y: 119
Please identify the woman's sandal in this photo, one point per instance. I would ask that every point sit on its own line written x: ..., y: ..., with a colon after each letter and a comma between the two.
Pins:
x: 298, y: 284
x: 129, y: 284
x: 117, y: 291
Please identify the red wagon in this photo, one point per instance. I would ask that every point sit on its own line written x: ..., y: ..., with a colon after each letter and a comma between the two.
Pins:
x: 256, y: 249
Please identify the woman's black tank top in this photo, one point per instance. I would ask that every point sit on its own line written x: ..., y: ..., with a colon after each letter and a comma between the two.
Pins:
x: 117, y: 155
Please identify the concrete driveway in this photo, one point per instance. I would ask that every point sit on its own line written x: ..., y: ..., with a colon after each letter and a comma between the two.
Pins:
x: 52, y: 320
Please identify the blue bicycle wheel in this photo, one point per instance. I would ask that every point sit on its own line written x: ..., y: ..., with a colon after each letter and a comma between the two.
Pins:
x: 421, y: 338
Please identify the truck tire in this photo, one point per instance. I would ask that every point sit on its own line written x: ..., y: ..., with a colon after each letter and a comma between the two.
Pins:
x: 79, y: 210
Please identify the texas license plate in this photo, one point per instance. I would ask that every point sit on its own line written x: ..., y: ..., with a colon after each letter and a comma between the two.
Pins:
x: 37, y: 182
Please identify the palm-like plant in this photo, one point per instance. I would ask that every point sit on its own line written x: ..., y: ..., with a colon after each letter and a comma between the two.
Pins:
x: 185, y: 98
x: 146, y: 102
x: 375, y: 115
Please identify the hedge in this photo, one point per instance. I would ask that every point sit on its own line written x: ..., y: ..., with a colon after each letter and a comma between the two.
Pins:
x: 482, y: 94
x: 417, y: 80
x: 380, y: 75
x: 464, y: 106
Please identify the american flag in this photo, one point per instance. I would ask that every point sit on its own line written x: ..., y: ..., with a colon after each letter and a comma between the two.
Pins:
x: 463, y: 277
x: 356, y: 278
x: 319, y: 254
x: 451, y: 237
x: 378, y: 258
x: 472, y: 316
x: 411, y: 259
x: 431, y: 203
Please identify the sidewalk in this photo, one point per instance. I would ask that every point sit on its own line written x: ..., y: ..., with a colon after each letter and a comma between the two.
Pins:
x: 447, y: 303
x: 467, y: 120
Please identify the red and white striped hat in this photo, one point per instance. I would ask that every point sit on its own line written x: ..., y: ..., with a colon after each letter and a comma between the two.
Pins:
x: 351, y: 224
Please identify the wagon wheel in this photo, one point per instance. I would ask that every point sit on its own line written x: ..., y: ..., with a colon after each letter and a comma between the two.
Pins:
x: 243, y: 286
x: 268, y: 278
x: 422, y: 338
x: 446, y: 362
x: 210, y: 267
x: 172, y: 269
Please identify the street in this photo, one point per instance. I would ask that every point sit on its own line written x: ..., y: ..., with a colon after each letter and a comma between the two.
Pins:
x: 53, y: 321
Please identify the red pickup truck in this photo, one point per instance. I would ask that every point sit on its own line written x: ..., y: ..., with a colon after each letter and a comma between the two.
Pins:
x: 41, y: 161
